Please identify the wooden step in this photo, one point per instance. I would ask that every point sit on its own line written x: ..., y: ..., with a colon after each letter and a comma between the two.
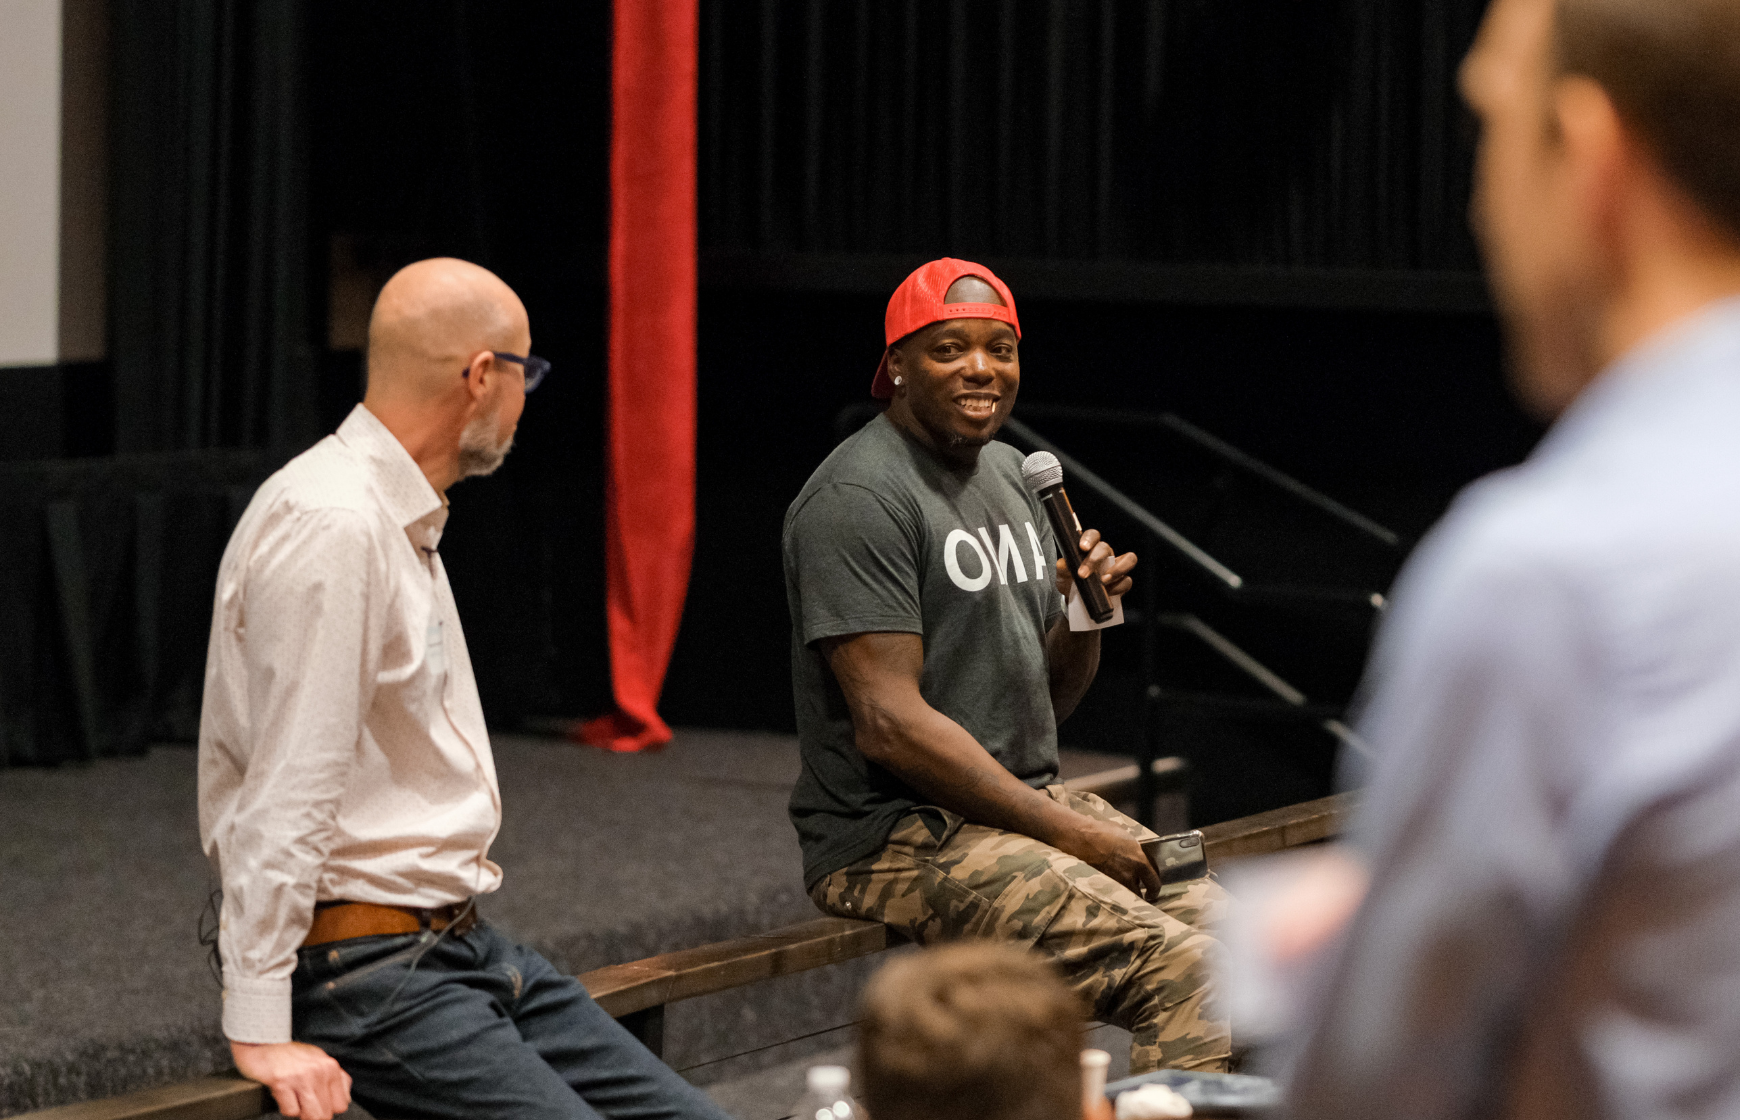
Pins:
x: 642, y: 988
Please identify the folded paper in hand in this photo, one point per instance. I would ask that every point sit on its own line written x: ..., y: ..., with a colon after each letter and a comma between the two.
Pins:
x: 1078, y: 615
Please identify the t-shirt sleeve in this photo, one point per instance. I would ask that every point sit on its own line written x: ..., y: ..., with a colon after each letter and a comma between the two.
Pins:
x: 853, y: 566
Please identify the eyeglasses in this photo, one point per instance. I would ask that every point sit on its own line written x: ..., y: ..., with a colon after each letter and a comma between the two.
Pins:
x: 536, y: 367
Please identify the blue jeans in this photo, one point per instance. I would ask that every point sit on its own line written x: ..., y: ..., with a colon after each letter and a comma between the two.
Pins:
x: 474, y: 1027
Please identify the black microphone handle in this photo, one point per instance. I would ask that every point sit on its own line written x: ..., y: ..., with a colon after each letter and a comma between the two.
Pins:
x: 1067, y: 528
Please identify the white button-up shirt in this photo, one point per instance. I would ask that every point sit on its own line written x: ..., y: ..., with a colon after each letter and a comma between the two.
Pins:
x: 342, y: 747
x: 1553, y: 823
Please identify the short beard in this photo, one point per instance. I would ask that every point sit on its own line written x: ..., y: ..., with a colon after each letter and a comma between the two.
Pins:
x: 956, y: 439
x: 478, y: 455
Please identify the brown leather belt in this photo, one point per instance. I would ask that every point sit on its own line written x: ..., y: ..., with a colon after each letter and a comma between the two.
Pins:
x: 341, y: 921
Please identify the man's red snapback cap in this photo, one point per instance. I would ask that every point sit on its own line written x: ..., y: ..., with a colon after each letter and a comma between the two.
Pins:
x: 918, y: 303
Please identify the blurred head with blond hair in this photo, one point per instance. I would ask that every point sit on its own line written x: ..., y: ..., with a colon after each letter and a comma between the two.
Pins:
x: 971, y: 1031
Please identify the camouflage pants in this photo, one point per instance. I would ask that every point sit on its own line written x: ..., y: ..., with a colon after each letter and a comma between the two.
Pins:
x: 1139, y: 965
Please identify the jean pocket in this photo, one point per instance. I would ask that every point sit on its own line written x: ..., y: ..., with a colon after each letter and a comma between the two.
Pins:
x: 939, y: 824
x: 366, y: 970
x: 318, y: 964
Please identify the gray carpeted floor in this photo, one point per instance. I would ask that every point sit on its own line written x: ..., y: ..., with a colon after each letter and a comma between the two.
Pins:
x: 607, y: 858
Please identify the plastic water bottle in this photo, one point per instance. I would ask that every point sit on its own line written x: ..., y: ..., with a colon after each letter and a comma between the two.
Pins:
x: 826, y: 1096
x: 1094, y: 1064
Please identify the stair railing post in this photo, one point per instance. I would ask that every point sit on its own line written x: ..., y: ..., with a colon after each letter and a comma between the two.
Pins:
x: 1148, y: 748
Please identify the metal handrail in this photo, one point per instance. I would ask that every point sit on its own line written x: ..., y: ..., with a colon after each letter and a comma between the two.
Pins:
x: 1077, y: 471
x: 1229, y: 581
x: 1262, y: 674
x: 1219, y: 447
x: 1223, y: 576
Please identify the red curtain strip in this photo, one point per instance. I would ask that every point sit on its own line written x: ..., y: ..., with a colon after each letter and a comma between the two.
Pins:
x: 650, y: 492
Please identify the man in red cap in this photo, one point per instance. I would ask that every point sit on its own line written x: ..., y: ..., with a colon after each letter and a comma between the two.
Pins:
x: 931, y: 664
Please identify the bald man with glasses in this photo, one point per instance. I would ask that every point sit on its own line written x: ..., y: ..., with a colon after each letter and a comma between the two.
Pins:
x: 348, y: 795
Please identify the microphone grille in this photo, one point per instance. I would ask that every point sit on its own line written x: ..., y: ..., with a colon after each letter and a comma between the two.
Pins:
x: 1041, y: 470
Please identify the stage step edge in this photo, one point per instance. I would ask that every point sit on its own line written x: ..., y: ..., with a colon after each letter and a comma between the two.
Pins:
x: 637, y: 986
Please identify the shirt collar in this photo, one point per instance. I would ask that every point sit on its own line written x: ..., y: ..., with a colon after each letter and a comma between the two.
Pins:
x: 1671, y: 364
x: 397, y: 478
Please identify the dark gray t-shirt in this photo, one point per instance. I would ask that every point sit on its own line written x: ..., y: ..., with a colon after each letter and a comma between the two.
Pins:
x: 884, y: 537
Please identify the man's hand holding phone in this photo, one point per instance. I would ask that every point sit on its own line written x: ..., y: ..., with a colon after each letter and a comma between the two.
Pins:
x: 1106, y: 847
x: 1177, y: 858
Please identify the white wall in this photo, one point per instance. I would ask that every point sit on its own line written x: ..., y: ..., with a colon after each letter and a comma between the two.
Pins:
x: 29, y: 182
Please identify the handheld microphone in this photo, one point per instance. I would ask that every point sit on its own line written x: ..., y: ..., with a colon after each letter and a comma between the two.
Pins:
x: 1044, y: 476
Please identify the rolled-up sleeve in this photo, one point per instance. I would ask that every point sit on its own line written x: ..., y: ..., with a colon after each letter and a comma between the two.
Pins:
x: 309, y: 639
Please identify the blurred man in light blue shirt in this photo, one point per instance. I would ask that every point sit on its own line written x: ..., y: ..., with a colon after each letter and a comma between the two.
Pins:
x: 1552, y: 826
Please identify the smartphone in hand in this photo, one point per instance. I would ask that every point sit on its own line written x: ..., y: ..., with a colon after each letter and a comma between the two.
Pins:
x: 1177, y: 858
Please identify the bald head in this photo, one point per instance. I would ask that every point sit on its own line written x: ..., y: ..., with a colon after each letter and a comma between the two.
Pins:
x: 429, y: 321
x: 971, y: 289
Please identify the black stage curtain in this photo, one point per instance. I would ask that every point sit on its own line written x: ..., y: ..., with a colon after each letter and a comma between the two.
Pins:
x: 1263, y: 133
x: 210, y: 328
x: 841, y: 139
x: 109, y: 564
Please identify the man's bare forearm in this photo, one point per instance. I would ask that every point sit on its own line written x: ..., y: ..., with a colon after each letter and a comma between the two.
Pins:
x: 896, y: 728
x: 938, y: 758
x: 1072, y: 661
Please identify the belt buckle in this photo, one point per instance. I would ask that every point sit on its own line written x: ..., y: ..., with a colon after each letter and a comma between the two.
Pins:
x: 456, y: 919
